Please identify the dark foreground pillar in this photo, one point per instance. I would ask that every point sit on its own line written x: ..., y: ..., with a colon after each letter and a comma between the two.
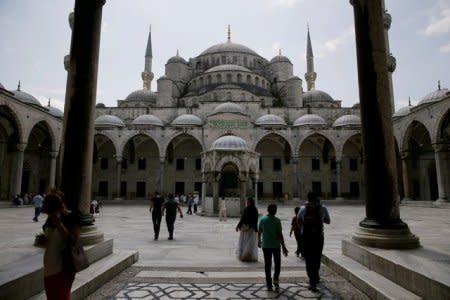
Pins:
x: 382, y: 226
x: 78, y: 130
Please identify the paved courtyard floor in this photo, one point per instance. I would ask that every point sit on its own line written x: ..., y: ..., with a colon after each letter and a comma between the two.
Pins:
x: 200, y: 263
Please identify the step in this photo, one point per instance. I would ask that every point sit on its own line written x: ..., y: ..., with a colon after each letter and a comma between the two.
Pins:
x: 369, y: 282
x: 89, y: 280
x: 23, y: 278
x: 424, y: 271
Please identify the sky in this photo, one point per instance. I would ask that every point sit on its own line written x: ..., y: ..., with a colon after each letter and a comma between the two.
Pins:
x: 35, y: 37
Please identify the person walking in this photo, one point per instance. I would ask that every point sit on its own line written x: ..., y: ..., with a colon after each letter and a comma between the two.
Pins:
x: 60, y: 228
x: 156, y: 203
x: 190, y: 199
x: 195, y: 201
x: 295, y: 229
x: 270, y: 238
x: 310, y: 219
x: 248, y: 226
x: 171, y: 207
x: 223, y: 210
x: 37, y: 202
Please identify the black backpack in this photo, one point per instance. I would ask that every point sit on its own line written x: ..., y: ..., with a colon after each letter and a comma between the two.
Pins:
x: 312, y: 222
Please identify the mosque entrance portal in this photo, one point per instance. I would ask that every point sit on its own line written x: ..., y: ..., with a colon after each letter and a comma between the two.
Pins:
x: 229, y: 181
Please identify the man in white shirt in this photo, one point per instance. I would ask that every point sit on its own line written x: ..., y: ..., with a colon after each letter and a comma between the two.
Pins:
x: 37, y: 202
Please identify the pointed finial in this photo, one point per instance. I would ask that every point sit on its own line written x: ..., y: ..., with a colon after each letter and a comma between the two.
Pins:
x: 279, y: 52
x: 178, y: 53
x: 409, y: 101
x: 439, y: 85
x: 48, y: 102
x: 18, y: 86
x: 229, y: 33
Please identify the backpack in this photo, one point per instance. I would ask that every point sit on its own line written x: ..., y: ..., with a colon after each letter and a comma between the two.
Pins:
x: 312, y: 221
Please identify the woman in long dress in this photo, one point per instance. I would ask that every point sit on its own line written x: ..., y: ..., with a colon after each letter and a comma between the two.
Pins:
x: 247, y: 249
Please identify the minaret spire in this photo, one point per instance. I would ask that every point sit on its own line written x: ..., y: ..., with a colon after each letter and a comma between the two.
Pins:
x: 439, y: 85
x: 229, y: 34
x: 18, y: 86
x: 409, y: 101
x: 310, y: 75
x: 48, y: 105
x: 147, y: 75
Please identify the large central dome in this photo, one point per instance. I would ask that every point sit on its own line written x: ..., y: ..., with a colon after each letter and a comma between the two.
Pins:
x: 228, y: 47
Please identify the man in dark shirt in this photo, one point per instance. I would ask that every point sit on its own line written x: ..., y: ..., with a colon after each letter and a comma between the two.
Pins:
x: 171, y: 207
x: 155, y: 208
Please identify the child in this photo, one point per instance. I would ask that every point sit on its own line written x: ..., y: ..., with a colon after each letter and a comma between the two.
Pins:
x: 295, y: 228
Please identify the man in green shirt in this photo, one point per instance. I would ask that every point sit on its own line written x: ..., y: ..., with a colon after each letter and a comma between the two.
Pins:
x: 171, y: 207
x: 272, y: 238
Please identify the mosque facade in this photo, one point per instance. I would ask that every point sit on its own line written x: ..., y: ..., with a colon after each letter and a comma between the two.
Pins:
x: 226, y: 123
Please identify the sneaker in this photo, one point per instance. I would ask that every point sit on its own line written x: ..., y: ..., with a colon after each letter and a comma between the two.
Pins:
x: 313, y: 288
x: 170, y: 238
x: 277, y: 286
x: 269, y: 288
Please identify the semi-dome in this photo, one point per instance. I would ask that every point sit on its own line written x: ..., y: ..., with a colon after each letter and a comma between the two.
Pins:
x: 228, y: 107
x: 402, y: 111
x: 310, y: 120
x: 227, y: 67
x: 176, y: 59
x: 228, y: 47
x: 347, y: 121
x: 142, y: 95
x: 25, y: 97
x: 317, y: 96
x: 56, y: 112
x: 435, y: 96
x: 107, y: 121
x: 150, y: 120
x: 280, y: 59
x: 270, y: 120
x: 229, y: 142
x: 187, y: 120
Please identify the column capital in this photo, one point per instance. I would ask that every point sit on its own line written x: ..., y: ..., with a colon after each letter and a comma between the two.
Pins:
x: 441, y: 147
x: 21, y: 147
x: 162, y: 159
x: 404, y: 155
x: 53, y: 154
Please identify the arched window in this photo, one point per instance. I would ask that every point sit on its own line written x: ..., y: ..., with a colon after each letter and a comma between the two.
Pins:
x: 256, y: 81
x: 229, y: 98
x: 249, y: 79
x: 229, y: 78
x: 263, y: 83
x: 200, y: 81
x: 209, y: 79
x: 219, y: 78
x: 239, y: 78
x: 245, y: 61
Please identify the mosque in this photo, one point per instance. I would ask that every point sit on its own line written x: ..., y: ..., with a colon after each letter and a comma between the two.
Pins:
x: 226, y: 123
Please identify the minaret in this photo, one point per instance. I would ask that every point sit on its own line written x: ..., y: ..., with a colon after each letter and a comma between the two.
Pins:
x: 147, y: 75
x: 310, y: 75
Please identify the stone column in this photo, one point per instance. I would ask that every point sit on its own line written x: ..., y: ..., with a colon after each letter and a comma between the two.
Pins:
x: 405, y: 175
x: 203, y: 188
x: 338, y: 179
x: 243, y: 191
x: 382, y: 226
x: 216, y: 192
x: 17, y: 171
x: 78, y: 132
x: 442, y: 165
x: 162, y: 161
x: 52, y: 177
x: 256, y: 190
x: 118, y: 175
x: 295, y: 178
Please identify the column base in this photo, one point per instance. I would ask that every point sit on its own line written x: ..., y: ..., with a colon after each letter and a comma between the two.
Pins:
x: 441, y: 201
x: 387, y: 238
x: 90, y: 235
x: 339, y: 198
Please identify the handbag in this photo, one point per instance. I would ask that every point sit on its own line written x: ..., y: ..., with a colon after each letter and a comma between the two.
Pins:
x: 74, y: 258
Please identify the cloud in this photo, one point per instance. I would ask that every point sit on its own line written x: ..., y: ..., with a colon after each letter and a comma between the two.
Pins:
x: 439, y: 24
x: 445, y: 48
x: 335, y: 43
x: 285, y: 3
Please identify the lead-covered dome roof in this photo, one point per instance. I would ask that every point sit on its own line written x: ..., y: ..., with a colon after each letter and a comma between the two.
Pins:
x: 227, y: 67
x: 228, y: 107
x: 230, y: 143
x: 347, y: 121
x: 310, y: 120
x: 108, y: 121
x: 228, y: 47
x: 25, y: 97
x: 270, y: 120
x: 176, y: 59
x: 402, y: 111
x: 435, y: 96
x: 56, y: 112
x: 317, y: 96
x: 187, y: 120
x: 142, y: 95
x: 280, y: 59
x: 149, y: 119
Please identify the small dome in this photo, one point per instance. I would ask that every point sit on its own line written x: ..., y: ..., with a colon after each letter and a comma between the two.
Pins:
x: 228, y: 107
x: 26, y: 98
x: 270, y: 120
x: 402, y: 111
x: 228, y: 47
x: 142, y: 95
x: 229, y: 142
x: 435, y: 96
x: 347, y: 121
x: 187, y: 120
x: 176, y: 59
x: 106, y: 121
x: 310, y: 120
x: 56, y: 112
x: 356, y: 105
x: 100, y: 105
x: 294, y: 78
x: 228, y: 67
x: 148, y: 120
x: 317, y: 96
x: 280, y: 59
